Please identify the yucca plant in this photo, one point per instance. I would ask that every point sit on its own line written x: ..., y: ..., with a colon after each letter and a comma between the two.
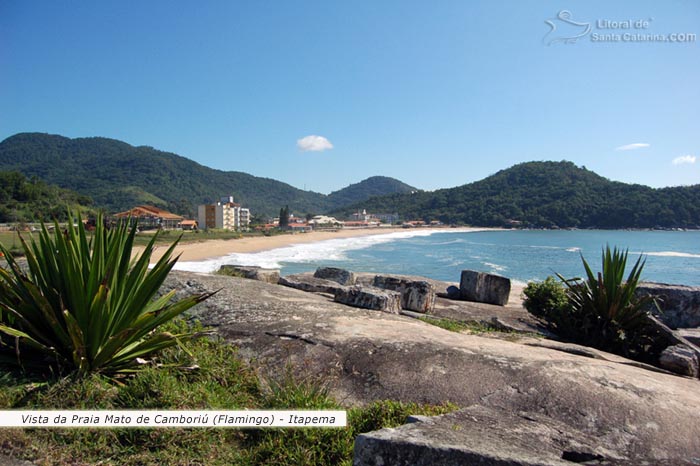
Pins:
x: 605, y: 313
x: 85, y: 305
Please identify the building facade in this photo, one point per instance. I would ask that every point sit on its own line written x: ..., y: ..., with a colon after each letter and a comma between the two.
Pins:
x: 224, y: 215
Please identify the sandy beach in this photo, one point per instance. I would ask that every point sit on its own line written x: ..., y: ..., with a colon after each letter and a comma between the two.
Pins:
x: 211, y: 249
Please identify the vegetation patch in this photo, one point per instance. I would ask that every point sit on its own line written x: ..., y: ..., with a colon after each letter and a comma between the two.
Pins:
x: 600, y: 310
x: 24, y: 200
x: 210, y: 375
x: 458, y: 326
x: 83, y: 305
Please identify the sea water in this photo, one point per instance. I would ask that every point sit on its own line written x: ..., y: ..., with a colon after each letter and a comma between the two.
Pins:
x: 522, y: 255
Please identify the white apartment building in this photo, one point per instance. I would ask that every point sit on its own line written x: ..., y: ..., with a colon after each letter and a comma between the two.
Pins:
x: 225, y: 215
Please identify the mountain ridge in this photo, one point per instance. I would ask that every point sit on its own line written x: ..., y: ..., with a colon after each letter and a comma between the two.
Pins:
x: 547, y: 194
x: 117, y: 176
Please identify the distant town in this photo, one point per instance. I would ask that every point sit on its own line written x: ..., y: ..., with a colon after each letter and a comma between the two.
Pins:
x: 226, y: 214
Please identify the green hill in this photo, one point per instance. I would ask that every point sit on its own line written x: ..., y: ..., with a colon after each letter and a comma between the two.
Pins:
x: 25, y: 200
x: 371, y: 187
x: 547, y: 194
x: 118, y: 176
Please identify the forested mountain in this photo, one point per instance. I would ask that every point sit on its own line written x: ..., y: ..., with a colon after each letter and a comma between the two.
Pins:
x: 25, y: 200
x: 373, y: 186
x: 547, y: 194
x: 118, y: 176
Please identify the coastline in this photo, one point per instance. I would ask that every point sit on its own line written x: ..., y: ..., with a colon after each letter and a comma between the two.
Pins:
x: 217, y: 248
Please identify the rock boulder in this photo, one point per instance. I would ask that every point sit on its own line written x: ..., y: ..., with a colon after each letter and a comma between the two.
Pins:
x: 251, y: 272
x: 342, y: 276
x: 680, y: 305
x: 680, y: 359
x: 370, y: 298
x: 416, y: 295
x: 484, y: 287
x: 307, y: 282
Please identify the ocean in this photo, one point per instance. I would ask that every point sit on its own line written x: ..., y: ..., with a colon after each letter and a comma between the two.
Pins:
x: 521, y: 255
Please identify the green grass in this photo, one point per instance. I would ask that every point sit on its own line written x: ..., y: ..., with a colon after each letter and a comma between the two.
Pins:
x: 458, y: 326
x: 211, y: 376
x: 10, y: 240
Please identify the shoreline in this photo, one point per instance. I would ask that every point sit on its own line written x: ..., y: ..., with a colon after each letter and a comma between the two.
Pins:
x: 218, y: 248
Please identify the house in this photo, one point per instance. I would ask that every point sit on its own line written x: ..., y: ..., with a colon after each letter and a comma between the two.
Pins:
x: 150, y: 217
x: 225, y: 214
x: 325, y: 221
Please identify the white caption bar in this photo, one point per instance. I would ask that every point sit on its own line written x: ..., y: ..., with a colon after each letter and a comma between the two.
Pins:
x: 64, y: 418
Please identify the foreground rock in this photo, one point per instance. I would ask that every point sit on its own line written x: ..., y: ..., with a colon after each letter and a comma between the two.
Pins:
x: 484, y: 287
x: 486, y: 436
x: 416, y: 295
x: 251, y: 272
x: 592, y: 400
x: 370, y: 298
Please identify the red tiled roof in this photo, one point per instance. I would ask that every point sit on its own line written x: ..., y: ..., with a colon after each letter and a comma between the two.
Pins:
x: 149, y: 211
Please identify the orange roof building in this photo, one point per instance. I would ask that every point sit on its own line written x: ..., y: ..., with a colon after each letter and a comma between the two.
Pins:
x: 153, y: 217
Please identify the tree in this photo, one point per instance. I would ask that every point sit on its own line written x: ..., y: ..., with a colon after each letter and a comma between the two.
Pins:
x: 284, y: 217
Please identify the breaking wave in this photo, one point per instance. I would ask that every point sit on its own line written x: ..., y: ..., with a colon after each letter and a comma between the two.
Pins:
x: 321, y: 251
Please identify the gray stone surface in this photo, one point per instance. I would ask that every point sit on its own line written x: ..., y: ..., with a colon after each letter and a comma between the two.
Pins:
x: 481, y: 435
x: 11, y: 461
x: 680, y: 305
x: 484, y: 287
x: 680, y: 359
x: 307, y: 282
x: 416, y: 295
x: 342, y: 276
x: 370, y: 298
x: 363, y: 356
x: 251, y: 272
x: 690, y: 334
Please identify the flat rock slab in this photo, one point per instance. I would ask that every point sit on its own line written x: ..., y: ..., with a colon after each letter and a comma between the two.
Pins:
x: 307, y: 282
x: 370, y: 298
x: 364, y: 356
x: 484, y: 287
x: 480, y: 435
x: 251, y: 272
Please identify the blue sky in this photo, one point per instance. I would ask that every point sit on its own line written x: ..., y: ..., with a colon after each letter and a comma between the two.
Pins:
x: 436, y: 94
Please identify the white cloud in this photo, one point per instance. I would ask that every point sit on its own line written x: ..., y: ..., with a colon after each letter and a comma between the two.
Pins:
x: 633, y: 146
x: 314, y: 143
x: 684, y: 159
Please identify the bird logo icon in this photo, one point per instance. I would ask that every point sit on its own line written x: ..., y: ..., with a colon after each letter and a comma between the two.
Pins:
x: 564, y: 29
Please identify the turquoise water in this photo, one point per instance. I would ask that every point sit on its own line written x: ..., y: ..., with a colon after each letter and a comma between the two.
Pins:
x: 671, y: 256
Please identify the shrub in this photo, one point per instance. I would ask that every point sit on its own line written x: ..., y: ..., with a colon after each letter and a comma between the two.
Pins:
x: 86, y: 305
x: 546, y: 299
x: 601, y: 310
x: 607, y: 315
